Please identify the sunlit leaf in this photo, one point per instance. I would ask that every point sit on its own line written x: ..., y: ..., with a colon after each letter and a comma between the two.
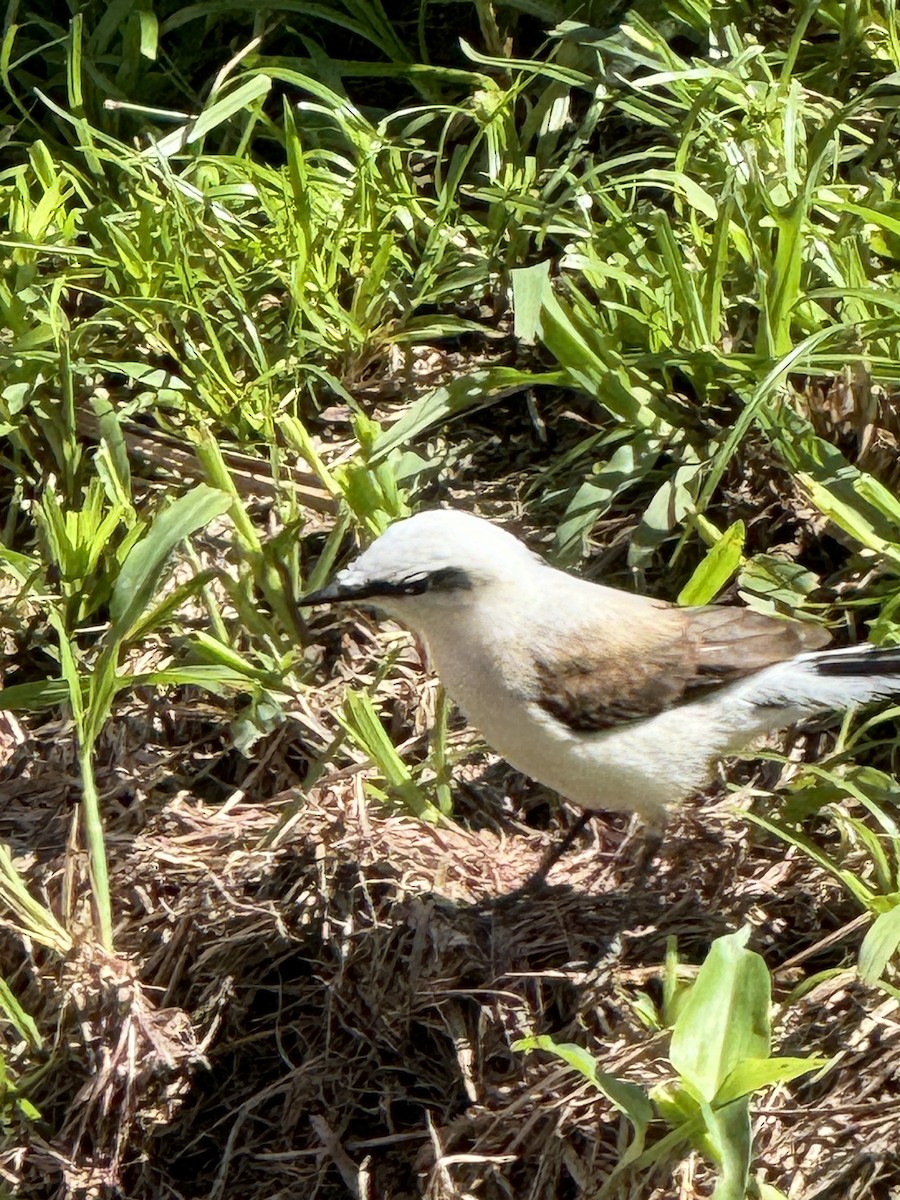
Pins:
x: 142, y: 569
x: 879, y: 945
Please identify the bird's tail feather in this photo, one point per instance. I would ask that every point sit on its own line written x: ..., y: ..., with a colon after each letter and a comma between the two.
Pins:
x: 864, y: 661
x: 825, y: 679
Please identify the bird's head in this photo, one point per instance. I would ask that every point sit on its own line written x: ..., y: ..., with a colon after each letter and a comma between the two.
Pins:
x: 437, y: 559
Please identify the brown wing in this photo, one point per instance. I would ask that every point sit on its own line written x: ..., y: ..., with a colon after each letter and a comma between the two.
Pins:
x: 628, y: 669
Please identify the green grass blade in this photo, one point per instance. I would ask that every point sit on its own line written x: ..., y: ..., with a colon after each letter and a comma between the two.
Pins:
x: 143, y: 567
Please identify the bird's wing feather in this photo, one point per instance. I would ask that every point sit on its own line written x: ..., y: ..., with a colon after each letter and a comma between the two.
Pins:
x: 611, y: 671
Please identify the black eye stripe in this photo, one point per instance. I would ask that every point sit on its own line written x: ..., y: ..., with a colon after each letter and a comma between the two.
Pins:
x: 449, y: 579
x: 414, y: 586
x: 445, y: 579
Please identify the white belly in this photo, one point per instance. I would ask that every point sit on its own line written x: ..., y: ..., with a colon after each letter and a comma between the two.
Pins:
x: 643, y: 766
x: 634, y: 768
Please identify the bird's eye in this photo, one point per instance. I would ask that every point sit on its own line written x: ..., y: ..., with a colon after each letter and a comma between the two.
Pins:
x: 414, y: 585
x: 446, y: 579
x: 449, y: 579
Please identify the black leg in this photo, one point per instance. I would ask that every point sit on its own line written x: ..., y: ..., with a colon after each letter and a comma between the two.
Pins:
x: 646, y: 856
x: 535, y: 882
x: 555, y: 853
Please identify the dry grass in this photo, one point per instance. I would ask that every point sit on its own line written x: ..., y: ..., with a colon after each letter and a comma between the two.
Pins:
x: 320, y: 999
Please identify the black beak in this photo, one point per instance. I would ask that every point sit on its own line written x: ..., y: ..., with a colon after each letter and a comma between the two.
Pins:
x: 374, y: 589
x: 337, y: 593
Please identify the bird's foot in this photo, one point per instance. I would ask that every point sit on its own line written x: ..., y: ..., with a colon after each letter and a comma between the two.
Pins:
x: 637, y: 854
x: 536, y: 883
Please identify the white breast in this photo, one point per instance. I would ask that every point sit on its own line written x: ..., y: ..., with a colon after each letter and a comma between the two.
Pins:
x: 489, y: 676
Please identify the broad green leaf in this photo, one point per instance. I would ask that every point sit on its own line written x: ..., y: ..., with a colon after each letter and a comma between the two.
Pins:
x: 529, y: 286
x: 627, y: 465
x: 757, y: 408
x: 20, y: 566
x: 717, y: 567
x: 594, y: 365
x: 668, y: 508
x: 143, y: 567
x: 721, y: 1131
x: 722, y: 1135
x: 363, y: 725
x: 859, y: 504
x: 256, y: 720
x: 234, y: 101
x: 768, y: 1191
x: 154, y: 378
x: 783, y: 286
x: 112, y: 456
x: 677, y: 1105
x: 754, y: 1074
x: 218, y: 679
x: 879, y: 945
x: 725, y: 1018
x: 149, y: 34
x: 731, y: 1142
x: 326, y: 561
x: 630, y: 1099
x: 69, y: 667
x: 215, y: 652
x: 33, y: 697
x: 881, y: 219
x: 163, y: 611
x: 771, y: 584
x: 854, y: 885
x: 214, y: 677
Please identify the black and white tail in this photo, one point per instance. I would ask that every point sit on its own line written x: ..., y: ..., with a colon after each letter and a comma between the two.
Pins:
x: 822, y: 681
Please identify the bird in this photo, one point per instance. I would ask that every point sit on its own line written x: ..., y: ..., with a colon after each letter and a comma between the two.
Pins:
x: 616, y: 701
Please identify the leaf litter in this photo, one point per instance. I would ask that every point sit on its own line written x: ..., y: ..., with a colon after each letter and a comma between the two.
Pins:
x: 312, y: 995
